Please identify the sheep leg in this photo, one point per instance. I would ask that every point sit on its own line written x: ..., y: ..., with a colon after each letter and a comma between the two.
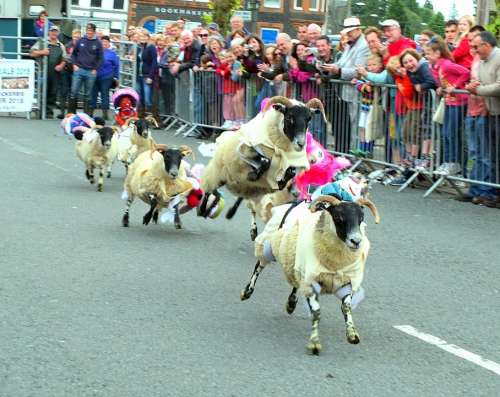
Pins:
x: 234, y: 208
x: 202, y: 209
x: 253, y: 227
x: 100, y: 182
x: 289, y: 174
x: 248, y: 291
x: 125, y: 219
x: 350, y: 330
x: 177, y: 218
x: 147, y: 217
x: 156, y: 213
x: 314, y: 345
x: 108, y: 173
x: 89, y: 173
x: 291, y: 303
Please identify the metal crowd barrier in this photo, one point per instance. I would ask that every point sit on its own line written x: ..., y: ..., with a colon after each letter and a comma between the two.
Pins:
x: 380, y: 128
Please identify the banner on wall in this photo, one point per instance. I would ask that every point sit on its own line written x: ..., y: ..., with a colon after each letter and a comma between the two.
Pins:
x: 17, y: 85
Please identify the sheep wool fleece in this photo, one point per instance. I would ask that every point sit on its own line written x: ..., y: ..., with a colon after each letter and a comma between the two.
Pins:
x: 308, y: 249
x: 147, y: 176
x: 264, y: 132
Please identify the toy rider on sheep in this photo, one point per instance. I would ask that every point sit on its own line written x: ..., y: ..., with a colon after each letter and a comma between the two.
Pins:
x: 125, y: 102
x: 275, y: 140
x: 76, y: 124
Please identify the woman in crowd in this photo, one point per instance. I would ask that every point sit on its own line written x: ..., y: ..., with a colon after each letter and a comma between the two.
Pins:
x: 40, y: 23
x: 305, y: 88
x: 146, y: 70
x: 270, y: 61
x: 107, y: 72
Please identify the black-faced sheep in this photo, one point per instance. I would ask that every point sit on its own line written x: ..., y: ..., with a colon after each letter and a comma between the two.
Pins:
x: 97, y: 149
x: 322, y: 249
x: 157, y: 177
x: 277, y: 134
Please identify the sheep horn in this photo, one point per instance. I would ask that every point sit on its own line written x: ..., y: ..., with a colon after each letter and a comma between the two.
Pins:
x: 315, y: 103
x: 152, y: 120
x: 127, y: 122
x: 185, y: 150
x: 324, y: 199
x: 364, y: 202
x: 160, y: 147
x: 116, y: 129
x: 278, y: 99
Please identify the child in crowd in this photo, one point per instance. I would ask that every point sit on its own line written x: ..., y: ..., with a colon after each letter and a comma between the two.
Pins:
x: 271, y: 59
x: 418, y: 119
x: 450, y: 76
x: 233, y: 106
x: 374, y: 65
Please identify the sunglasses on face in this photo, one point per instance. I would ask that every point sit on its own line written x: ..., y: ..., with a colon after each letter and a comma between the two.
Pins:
x: 204, y: 35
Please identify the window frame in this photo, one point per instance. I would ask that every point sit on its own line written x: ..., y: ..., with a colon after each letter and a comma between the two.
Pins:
x: 296, y: 7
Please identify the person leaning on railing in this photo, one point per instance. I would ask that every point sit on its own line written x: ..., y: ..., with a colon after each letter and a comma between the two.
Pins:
x: 450, y: 76
x: 55, y: 51
x: 488, y: 86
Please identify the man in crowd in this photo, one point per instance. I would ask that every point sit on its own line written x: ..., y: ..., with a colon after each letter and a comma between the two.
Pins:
x: 356, y: 53
x: 237, y: 24
x: 313, y: 32
x: 450, y: 33
x: 56, y: 55
x: 373, y: 37
x: 397, y: 43
x: 488, y: 86
x: 279, y: 72
x: 214, y: 30
x: 302, y: 33
x: 190, y: 55
x: 87, y: 57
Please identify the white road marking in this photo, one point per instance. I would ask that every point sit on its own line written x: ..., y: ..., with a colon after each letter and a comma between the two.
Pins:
x: 450, y: 348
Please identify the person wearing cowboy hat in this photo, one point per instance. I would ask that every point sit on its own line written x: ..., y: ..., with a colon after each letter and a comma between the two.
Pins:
x: 355, y: 54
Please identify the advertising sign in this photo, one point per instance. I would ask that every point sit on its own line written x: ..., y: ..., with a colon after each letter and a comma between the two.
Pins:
x: 17, y: 85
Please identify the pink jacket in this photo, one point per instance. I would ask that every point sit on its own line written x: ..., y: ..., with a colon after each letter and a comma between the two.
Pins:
x: 450, y: 73
x: 308, y: 88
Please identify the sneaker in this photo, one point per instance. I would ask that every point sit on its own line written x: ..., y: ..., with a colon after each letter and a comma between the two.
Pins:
x: 398, y: 181
x: 443, y: 168
x: 466, y: 199
x: 454, y: 169
x: 227, y: 124
x: 422, y: 164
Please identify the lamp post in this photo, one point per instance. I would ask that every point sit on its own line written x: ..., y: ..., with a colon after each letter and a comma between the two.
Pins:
x: 253, y: 6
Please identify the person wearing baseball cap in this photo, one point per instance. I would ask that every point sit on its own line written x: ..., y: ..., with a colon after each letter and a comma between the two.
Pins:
x: 56, y: 55
x: 397, y: 43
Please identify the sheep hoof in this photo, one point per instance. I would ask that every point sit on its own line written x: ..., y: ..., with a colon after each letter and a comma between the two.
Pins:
x: 87, y: 175
x: 99, y: 187
x: 178, y: 225
x: 108, y: 175
x: 155, y: 217
x: 253, y: 233
x: 246, y: 293
x: 314, y: 347
x: 290, y: 306
x: 146, y: 219
x: 352, y: 335
x: 125, y: 221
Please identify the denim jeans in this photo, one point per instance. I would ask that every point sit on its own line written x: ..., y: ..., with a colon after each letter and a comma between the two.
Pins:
x: 452, y: 135
x: 479, y: 144
x: 145, y: 91
x: 102, y: 85
x: 85, y: 77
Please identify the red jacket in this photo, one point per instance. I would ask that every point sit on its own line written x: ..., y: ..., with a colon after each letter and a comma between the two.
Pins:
x: 228, y: 85
x: 410, y: 99
x: 461, y: 54
x: 397, y: 47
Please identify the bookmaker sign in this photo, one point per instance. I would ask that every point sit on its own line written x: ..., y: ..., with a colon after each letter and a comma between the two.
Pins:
x: 17, y: 85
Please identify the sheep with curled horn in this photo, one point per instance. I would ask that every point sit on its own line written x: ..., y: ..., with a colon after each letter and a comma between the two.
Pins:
x: 263, y: 155
x: 322, y: 248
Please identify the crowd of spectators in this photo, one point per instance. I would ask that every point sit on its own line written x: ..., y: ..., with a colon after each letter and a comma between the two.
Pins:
x: 423, y: 72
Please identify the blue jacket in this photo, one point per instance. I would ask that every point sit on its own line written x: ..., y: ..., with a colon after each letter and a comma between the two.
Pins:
x: 147, y: 62
x: 423, y: 76
x: 110, y: 66
x: 88, y: 53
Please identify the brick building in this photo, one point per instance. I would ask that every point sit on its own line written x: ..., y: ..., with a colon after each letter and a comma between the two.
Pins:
x: 272, y: 15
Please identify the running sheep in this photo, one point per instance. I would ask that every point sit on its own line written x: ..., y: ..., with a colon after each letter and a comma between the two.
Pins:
x: 97, y: 149
x: 158, y: 178
x: 322, y: 249
x: 263, y: 155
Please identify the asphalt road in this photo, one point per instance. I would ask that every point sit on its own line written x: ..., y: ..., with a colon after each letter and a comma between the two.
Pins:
x: 89, y: 308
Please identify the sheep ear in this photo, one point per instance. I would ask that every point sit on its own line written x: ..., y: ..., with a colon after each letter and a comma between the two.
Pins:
x: 364, y: 202
x: 185, y: 150
x: 116, y: 129
x: 279, y: 107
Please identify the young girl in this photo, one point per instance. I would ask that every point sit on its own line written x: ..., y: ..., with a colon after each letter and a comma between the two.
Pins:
x: 450, y: 77
x: 418, y: 119
x: 461, y: 54
x: 375, y: 65
x: 233, y: 106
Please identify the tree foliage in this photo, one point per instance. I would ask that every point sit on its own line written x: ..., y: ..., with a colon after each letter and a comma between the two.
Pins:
x: 221, y: 12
